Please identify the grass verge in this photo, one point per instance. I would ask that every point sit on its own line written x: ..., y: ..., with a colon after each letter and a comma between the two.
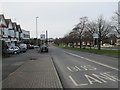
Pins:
x: 112, y: 53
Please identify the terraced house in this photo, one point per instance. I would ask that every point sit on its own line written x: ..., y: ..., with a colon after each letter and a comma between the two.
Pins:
x: 4, y: 32
x: 10, y: 32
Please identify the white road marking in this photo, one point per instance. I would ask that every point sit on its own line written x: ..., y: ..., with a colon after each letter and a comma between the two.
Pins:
x: 100, y: 78
x: 69, y: 69
x: 92, y: 61
x: 78, y: 68
x: 74, y: 82
x: 91, y: 79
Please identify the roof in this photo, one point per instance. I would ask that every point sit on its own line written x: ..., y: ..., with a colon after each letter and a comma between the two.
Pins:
x: 19, y: 28
x: 1, y: 16
x: 7, y: 21
x: 15, y: 25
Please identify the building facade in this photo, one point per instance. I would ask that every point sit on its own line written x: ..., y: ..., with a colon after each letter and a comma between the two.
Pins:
x: 25, y: 34
x: 12, y: 33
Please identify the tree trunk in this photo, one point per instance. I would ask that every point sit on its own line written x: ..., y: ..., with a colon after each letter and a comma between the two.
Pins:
x: 99, y: 44
x: 80, y: 41
x: 80, y: 44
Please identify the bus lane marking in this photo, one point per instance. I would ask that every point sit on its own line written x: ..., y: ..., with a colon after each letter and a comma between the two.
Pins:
x: 93, y: 61
x: 81, y: 68
x: 100, y: 78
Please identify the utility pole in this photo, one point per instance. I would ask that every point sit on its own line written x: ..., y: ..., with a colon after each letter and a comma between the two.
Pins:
x: 46, y: 37
x: 36, y: 31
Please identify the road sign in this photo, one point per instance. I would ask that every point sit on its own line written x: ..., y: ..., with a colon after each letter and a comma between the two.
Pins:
x: 42, y: 36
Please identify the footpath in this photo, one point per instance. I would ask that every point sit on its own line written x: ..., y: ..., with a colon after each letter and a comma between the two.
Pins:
x: 38, y: 73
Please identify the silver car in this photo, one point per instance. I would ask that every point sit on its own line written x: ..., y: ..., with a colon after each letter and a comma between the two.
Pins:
x: 13, y: 50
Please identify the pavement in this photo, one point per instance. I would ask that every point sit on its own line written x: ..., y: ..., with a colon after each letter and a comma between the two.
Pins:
x: 35, y: 73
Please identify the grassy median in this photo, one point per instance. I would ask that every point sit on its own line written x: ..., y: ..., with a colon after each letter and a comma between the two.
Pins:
x: 113, y: 53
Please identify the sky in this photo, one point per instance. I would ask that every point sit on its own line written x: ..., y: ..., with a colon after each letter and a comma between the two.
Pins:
x: 58, y: 18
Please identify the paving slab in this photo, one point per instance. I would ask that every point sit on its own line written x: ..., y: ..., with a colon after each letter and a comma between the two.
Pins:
x: 39, y: 73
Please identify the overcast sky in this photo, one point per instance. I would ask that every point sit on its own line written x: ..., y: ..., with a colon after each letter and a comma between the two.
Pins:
x: 57, y: 17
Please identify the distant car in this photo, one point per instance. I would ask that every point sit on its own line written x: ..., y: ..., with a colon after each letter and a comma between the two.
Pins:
x: 13, y: 50
x: 22, y: 49
x: 44, y: 48
x: 35, y: 46
x: 106, y: 45
x: 29, y: 46
x: 23, y: 45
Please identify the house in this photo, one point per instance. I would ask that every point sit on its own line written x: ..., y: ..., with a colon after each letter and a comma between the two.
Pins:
x: 3, y: 29
x: 25, y: 34
x: 16, y: 33
x: 20, y: 32
x: 11, y: 31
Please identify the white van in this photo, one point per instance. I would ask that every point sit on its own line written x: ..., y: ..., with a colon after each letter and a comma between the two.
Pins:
x: 23, y: 45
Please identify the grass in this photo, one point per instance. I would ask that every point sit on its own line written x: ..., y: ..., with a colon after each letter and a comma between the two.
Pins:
x: 113, y: 53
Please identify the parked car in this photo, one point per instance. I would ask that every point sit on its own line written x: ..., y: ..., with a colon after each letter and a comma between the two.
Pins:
x: 13, y: 50
x: 29, y: 46
x: 35, y: 46
x: 44, y: 48
x: 23, y: 45
x: 22, y: 49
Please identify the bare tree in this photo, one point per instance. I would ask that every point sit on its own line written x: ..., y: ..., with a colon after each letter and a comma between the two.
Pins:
x: 80, y: 27
x: 87, y: 38
x: 103, y: 29
x: 116, y: 22
x: 66, y: 40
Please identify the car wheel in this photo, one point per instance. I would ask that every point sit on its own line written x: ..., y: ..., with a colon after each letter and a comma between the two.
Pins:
x: 15, y: 52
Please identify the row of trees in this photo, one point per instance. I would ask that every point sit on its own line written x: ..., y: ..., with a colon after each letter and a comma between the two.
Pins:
x: 84, y: 30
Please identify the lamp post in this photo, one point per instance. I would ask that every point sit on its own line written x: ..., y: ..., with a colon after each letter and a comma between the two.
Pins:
x: 36, y: 31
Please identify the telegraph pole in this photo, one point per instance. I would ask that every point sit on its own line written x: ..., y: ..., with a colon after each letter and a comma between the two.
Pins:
x: 36, y: 31
x: 46, y: 37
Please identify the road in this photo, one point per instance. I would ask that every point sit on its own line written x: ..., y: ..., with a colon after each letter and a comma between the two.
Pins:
x: 76, y: 69
x: 85, y: 70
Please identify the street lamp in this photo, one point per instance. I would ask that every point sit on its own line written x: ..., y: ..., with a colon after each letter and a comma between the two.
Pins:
x: 36, y: 31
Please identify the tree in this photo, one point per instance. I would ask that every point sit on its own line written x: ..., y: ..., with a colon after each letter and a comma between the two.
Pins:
x: 103, y: 29
x: 80, y: 27
x: 87, y: 38
x: 116, y: 22
x: 91, y: 28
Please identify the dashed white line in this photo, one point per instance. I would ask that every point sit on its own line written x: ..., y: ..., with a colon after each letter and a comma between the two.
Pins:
x: 92, y: 61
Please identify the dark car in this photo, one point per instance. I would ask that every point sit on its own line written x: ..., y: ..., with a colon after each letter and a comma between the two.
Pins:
x: 29, y: 46
x: 44, y: 48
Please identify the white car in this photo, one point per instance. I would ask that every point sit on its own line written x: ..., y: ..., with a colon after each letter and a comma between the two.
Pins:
x: 36, y: 46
